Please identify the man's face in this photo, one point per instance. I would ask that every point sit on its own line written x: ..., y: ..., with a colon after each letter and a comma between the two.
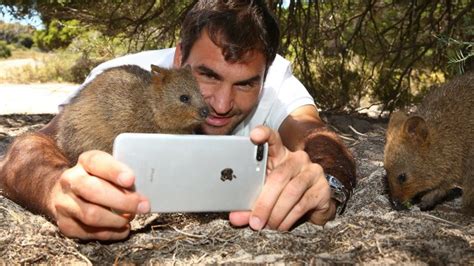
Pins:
x: 230, y: 89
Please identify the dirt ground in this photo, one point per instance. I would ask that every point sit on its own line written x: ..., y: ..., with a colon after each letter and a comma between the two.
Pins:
x: 369, y: 232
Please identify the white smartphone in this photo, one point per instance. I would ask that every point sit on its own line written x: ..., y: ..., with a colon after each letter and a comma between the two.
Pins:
x: 194, y: 173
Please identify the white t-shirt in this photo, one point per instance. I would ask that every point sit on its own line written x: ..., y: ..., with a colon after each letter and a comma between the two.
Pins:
x: 282, y: 93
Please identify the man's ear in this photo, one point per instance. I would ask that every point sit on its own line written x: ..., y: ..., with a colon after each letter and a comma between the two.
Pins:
x: 177, y: 56
x: 159, y: 75
x: 416, y: 129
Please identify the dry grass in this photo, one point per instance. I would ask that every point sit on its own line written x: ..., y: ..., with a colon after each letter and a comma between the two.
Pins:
x: 29, y: 66
x: 23, y: 53
x: 370, y: 232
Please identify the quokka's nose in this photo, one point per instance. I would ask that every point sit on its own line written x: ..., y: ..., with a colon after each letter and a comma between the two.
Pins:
x: 397, y: 205
x: 204, y: 112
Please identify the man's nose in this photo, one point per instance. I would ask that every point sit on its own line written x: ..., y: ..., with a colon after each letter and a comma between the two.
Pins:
x: 222, y: 101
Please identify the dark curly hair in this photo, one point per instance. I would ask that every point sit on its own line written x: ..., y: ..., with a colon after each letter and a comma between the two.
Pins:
x: 236, y: 26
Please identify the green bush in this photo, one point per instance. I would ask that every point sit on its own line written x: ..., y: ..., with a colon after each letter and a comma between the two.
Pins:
x: 97, y: 46
x: 26, y: 41
x: 17, y: 34
x: 59, y: 34
x: 4, y: 50
x: 94, y: 48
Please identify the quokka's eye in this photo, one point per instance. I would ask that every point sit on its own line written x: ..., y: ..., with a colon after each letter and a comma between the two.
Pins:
x: 184, y: 98
x: 402, y: 178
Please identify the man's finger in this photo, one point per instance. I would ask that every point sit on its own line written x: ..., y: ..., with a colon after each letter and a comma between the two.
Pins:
x: 73, y: 228
x: 277, y: 181
x: 76, y: 208
x: 103, y: 165
x: 290, y: 196
x: 239, y: 218
x: 321, y: 217
x: 315, y: 200
x: 98, y: 191
x: 274, y: 185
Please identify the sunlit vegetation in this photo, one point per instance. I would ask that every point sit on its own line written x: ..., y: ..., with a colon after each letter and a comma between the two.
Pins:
x: 349, y: 54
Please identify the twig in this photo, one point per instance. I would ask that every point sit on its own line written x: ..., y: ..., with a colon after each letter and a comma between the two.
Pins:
x: 187, y: 234
x: 31, y: 260
x: 225, y: 241
x: 354, y: 143
x: 201, y: 258
x: 159, y: 246
x: 346, y: 138
x: 357, y: 132
x: 367, y: 107
x: 13, y: 214
x: 88, y: 262
x: 441, y: 220
x: 378, y: 246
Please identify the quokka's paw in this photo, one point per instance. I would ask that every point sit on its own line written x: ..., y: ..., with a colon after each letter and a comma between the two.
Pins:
x: 432, y: 198
x: 468, y: 206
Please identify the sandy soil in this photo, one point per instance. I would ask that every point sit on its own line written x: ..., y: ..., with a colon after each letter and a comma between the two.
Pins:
x: 369, y: 232
x: 32, y: 98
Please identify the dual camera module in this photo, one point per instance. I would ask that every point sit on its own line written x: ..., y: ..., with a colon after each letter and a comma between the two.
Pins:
x: 260, y: 152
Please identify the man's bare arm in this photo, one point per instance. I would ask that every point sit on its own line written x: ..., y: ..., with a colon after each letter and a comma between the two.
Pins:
x: 32, y: 165
x: 79, y: 198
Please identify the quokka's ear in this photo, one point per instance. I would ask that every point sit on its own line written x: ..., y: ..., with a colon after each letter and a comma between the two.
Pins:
x: 187, y: 67
x: 416, y: 129
x: 396, y: 121
x: 159, y: 75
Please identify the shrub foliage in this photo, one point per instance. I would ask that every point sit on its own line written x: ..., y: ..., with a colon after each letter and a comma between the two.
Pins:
x: 16, y: 34
x: 5, y: 52
x: 344, y: 52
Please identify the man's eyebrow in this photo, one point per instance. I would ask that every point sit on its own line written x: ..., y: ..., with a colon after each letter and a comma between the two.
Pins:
x: 207, y: 71
x: 249, y: 81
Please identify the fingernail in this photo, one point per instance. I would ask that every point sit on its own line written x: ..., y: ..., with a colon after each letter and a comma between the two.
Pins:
x: 255, y: 223
x: 143, y: 207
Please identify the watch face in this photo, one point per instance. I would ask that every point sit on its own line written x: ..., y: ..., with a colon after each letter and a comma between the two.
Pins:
x: 338, y: 193
x: 334, y: 182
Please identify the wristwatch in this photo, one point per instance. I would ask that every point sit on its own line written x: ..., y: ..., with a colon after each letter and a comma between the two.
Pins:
x: 338, y: 192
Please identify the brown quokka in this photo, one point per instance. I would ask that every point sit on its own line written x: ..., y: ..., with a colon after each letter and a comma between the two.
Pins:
x: 430, y: 152
x: 130, y: 99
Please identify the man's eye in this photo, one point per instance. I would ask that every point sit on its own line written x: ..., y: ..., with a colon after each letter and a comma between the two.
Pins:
x: 246, y: 86
x: 208, y: 75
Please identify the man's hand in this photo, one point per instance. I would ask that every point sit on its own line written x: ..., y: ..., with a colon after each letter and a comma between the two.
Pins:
x: 93, y: 200
x: 294, y: 187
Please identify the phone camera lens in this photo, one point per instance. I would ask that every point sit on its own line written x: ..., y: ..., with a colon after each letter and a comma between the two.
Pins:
x: 260, y: 150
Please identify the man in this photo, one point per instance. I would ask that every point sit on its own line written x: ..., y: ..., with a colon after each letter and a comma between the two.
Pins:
x: 230, y: 46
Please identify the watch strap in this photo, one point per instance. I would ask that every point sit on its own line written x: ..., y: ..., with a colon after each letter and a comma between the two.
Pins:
x: 338, y: 192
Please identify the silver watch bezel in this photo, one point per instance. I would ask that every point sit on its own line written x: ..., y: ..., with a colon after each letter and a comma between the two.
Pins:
x: 338, y: 192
